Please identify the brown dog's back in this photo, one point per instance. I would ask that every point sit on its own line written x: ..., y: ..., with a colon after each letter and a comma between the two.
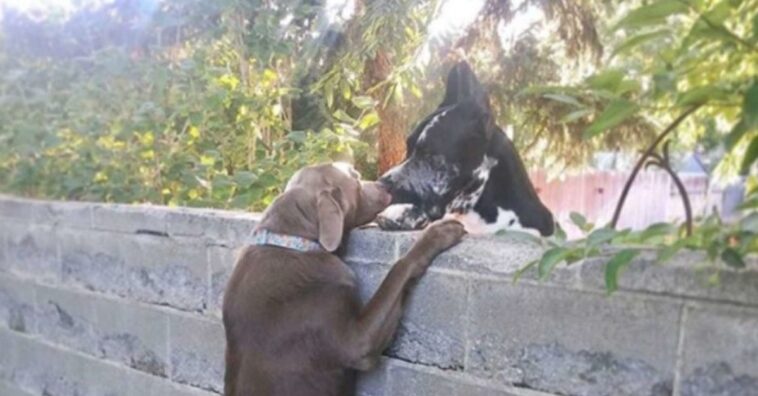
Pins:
x: 279, y: 311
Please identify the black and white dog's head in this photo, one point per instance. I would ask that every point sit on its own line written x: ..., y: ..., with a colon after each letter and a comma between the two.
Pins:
x: 460, y: 164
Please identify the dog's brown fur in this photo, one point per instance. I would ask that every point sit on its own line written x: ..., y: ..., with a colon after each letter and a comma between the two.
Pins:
x: 294, y: 323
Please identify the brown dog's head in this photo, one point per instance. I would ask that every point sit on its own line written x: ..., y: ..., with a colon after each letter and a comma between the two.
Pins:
x: 322, y: 202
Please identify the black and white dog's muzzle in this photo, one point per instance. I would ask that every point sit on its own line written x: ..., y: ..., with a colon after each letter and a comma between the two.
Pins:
x: 433, y: 194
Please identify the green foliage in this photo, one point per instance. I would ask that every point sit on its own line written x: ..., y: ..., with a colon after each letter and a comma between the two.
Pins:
x: 721, y: 243
x: 670, y: 56
x: 205, y: 121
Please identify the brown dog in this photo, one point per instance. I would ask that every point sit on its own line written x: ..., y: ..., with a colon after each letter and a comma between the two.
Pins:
x: 294, y: 323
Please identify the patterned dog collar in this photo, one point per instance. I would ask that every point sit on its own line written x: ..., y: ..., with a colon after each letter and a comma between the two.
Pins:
x: 268, y: 238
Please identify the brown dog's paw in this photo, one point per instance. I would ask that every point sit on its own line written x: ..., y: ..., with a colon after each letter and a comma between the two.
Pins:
x: 443, y: 234
x: 438, y: 237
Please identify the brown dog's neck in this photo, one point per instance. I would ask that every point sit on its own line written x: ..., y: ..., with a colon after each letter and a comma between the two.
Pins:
x: 292, y: 213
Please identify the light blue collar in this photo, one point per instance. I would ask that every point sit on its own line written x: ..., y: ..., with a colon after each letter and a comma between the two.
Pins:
x: 268, y: 238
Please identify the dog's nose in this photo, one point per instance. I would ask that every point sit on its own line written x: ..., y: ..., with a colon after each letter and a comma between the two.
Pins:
x: 384, y: 192
x: 435, y: 212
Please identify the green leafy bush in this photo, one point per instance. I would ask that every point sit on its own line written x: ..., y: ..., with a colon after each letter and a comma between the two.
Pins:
x: 199, y: 122
x: 690, y: 60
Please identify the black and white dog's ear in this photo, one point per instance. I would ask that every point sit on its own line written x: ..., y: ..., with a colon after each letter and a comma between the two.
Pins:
x: 462, y: 85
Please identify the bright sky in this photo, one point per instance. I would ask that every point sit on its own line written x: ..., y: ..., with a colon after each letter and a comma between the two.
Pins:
x: 26, y: 5
x: 452, y: 17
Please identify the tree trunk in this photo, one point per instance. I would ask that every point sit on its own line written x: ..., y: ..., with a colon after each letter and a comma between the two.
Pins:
x: 391, y: 134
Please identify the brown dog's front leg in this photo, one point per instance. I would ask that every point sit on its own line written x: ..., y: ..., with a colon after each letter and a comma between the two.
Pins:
x: 378, y: 320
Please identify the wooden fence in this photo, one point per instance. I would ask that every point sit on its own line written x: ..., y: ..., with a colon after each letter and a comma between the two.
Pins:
x: 653, y: 198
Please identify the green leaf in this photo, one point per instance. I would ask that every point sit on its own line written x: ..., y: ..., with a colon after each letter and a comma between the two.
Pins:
x: 601, y: 236
x: 627, y: 86
x: 664, y: 82
x: 363, y: 102
x: 576, y: 115
x: 329, y: 93
x: 342, y: 116
x: 636, y: 41
x: 713, y: 249
x: 750, y: 107
x: 518, y: 274
x: 615, y: 266
x: 751, y: 203
x: 668, y: 252
x: 652, y: 14
x: 578, y: 220
x: 369, y: 120
x: 244, y: 178
x: 750, y: 223
x: 720, y: 12
x: 656, y: 230
x: 614, y: 114
x: 297, y: 136
x: 608, y: 80
x: 734, y: 137
x: 732, y: 258
x: 750, y: 156
x: 755, y: 28
x: 700, y: 95
x: 570, y: 100
x: 560, y: 233
x: 550, y: 259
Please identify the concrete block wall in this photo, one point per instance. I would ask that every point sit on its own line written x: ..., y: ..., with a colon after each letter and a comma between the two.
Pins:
x: 100, y: 299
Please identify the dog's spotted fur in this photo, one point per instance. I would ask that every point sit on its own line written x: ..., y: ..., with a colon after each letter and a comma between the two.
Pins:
x: 460, y: 164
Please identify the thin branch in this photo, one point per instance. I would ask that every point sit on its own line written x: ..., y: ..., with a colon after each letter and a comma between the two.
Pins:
x: 720, y: 28
x: 641, y: 162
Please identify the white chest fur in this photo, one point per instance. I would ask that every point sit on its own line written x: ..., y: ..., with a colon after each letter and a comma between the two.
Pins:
x: 476, y: 225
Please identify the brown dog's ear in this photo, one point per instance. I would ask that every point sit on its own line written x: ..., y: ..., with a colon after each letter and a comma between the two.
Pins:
x: 331, y: 219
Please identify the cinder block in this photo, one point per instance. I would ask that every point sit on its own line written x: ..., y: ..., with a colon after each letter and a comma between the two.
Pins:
x: 72, y: 214
x: 420, y: 381
x: 97, y: 260
x: 26, y: 210
x: 5, y: 262
x: 720, y: 354
x: 8, y: 355
x: 32, y: 250
x: 148, y: 385
x: 222, y: 262
x: 132, y: 334
x: 7, y: 389
x: 43, y: 369
x: 146, y: 268
x: 213, y: 226
x: 680, y: 277
x: 170, y: 272
x: 17, y: 304
x: 570, y: 342
x: 130, y: 218
x: 498, y: 255
x: 49, y: 213
x: 432, y: 331
x: 67, y: 318
x: 370, y: 245
x: 368, y: 276
x: 197, y: 351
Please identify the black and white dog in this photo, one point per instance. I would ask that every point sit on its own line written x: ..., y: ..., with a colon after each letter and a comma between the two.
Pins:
x: 460, y: 164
